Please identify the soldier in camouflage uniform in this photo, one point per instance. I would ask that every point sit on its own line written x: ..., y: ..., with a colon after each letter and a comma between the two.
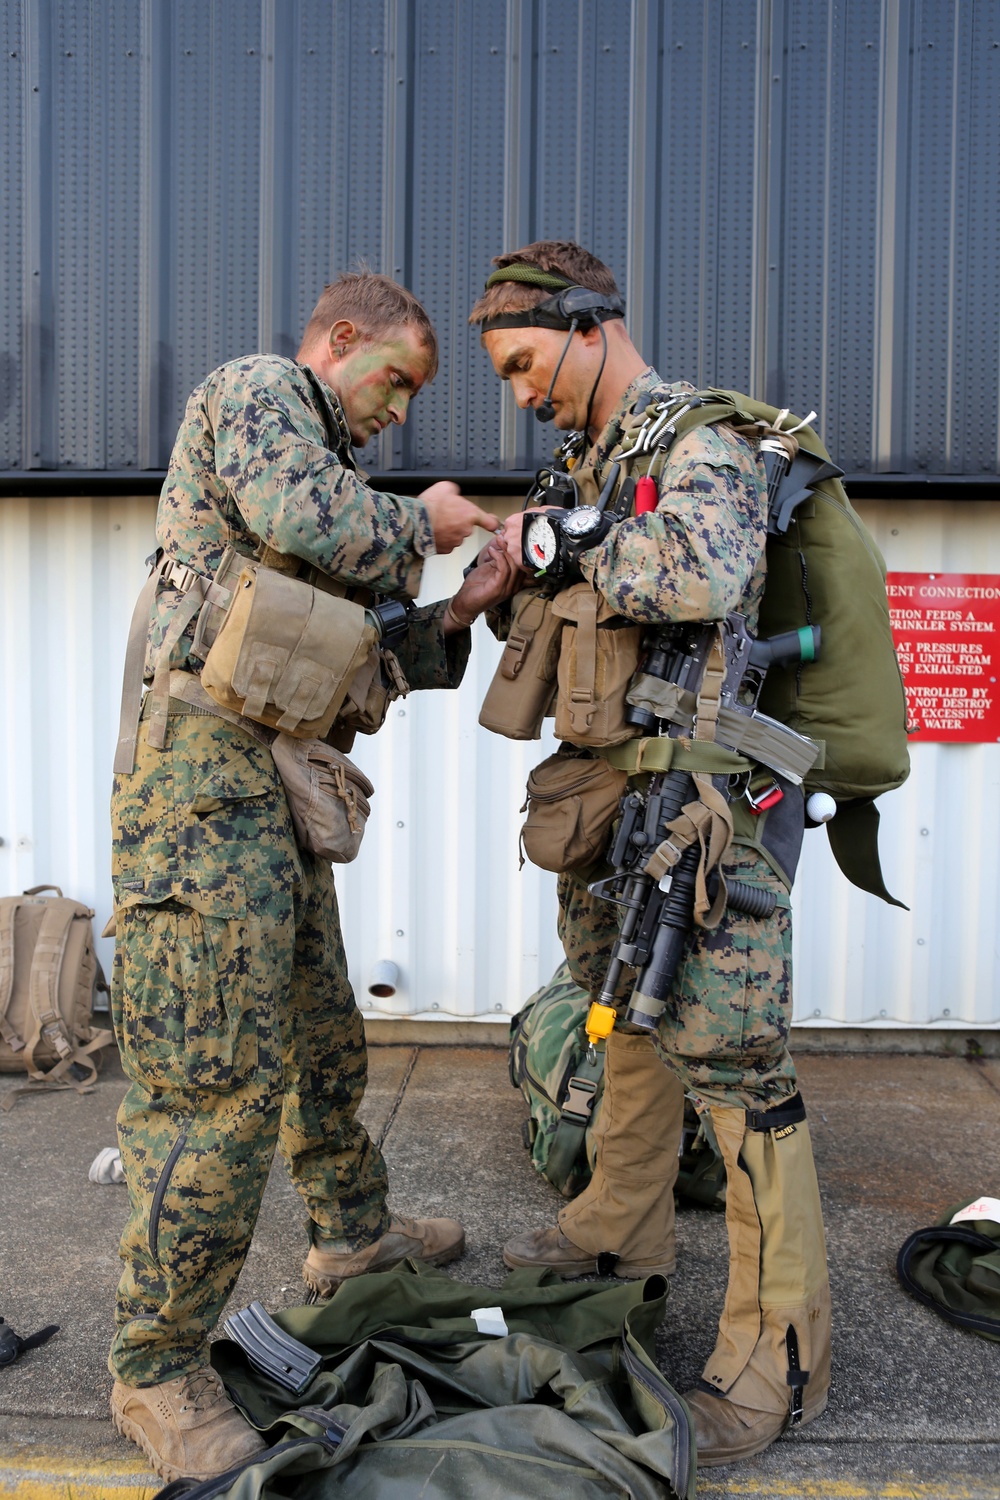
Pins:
x: 237, y: 1025
x: 697, y: 556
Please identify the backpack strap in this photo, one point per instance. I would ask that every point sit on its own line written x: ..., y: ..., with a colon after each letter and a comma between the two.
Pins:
x: 574, y: 1117
x: 8, y: 914
x: 43, y: 985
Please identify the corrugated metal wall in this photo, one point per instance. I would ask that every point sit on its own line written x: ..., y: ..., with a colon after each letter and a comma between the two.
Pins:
x: 800, y: 197
x: 436, y: 888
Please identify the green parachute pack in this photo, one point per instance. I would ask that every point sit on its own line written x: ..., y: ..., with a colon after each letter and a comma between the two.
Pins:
x: 823, y: 568
x: 563, y: 1090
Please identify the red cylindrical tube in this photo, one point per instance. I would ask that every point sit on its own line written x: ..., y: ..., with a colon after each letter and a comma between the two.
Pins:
x: 645, y: 495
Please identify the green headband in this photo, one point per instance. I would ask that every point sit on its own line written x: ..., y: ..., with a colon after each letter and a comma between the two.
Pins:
x: 531, y: 276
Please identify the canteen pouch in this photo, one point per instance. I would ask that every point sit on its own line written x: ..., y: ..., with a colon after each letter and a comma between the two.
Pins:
x: 572, y: 803
x: 286, y: 653
x: 378, y: 682
x: 598, y: 655
x: 524, y: 683
x: 327, y: 797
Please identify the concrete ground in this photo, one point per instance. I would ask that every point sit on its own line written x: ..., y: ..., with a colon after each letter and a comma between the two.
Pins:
x: 915, y: 1407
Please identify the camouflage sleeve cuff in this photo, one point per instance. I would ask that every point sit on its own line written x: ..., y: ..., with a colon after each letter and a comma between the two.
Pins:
x: 428, y: 657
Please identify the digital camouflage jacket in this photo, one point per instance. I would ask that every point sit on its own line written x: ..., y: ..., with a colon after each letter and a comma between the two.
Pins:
x: 255, y: 456
x: 700, y: 554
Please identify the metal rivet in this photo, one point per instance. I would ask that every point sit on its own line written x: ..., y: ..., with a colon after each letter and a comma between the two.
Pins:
x: 921, y: 942
x: 946, y: 1012
x: 401, y: 713
x: 400, y: 932
x: 816, y: 1013
x: 400, y: 825
x: 882, y: 1012
x: 434, y: 1005
x: 924, y: 832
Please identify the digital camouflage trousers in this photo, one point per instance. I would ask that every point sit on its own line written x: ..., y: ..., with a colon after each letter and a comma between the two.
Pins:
x: 238, y: 1032
x: 725, y: 1025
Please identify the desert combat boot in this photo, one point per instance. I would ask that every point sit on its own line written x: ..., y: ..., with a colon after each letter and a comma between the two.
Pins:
x: 187, y: 1427
x: 434, y: 1241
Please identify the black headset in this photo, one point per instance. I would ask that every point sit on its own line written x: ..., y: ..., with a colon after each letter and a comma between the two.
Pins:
x: 572, y: 308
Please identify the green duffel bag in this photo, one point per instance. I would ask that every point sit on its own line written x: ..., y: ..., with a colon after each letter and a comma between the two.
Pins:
x: 411, y: 1386
x: 954, y: 1266
x: 563, y: 1090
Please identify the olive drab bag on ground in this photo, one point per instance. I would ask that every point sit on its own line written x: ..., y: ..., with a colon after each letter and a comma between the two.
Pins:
x: 410, y: 1383
x: 548, y: 1063
x: 48, y: 974
x: 954, y: 1266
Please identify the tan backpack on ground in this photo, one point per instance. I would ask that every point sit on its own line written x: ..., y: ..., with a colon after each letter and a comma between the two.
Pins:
x: 48, y: 973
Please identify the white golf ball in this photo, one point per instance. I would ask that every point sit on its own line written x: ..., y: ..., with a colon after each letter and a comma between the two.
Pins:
x: 820, y: 807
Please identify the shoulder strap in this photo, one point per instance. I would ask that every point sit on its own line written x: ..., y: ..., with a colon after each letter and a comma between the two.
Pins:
x: 8, y: 914
x: 43, y: 984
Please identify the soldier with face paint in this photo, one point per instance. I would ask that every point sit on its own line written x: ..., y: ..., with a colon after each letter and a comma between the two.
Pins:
x: 237, y: 1025
x: 552, y: 324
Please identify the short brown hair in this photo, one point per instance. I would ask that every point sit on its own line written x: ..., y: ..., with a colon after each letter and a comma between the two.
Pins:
x: 563, y: 257
x: 373, y: 303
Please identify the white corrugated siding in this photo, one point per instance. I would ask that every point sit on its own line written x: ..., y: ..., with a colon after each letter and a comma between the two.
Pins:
x: 436, y: 889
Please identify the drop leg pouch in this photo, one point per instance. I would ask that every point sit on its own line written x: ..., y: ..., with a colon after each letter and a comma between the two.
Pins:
x: 327, y: 797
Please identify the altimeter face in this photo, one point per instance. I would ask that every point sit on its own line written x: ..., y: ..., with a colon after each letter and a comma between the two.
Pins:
x: 540, y: 544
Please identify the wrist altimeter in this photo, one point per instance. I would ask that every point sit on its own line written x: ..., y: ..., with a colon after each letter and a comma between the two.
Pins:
x: 552, y: 541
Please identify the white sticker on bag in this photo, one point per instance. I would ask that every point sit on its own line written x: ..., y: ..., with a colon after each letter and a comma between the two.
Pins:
x: 983, y: 1208
x: 489, y: 1320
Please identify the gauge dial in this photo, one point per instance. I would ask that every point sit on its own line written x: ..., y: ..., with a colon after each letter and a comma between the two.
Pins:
x: 539, y: 546
x: 582, y: 521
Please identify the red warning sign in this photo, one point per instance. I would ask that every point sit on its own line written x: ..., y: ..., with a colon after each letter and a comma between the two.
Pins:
x: 947, y: 632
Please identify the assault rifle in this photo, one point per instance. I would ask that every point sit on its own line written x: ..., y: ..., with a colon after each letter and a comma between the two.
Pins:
x: 658, y: 914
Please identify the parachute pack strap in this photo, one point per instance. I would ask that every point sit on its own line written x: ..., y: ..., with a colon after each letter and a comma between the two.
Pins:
x: 853, y: 836
x: 575, y: 1116
x: 581, y: 705
x: 8, y: 915
x: 711, y: 815
x: 707, y: 823
x: 661, y: 753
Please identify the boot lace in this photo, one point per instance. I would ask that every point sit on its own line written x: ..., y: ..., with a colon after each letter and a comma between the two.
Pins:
x: 200, y: 1391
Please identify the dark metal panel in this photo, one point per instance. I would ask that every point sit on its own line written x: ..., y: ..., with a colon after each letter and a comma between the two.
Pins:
x: 12, y: 269
x: 796, y: 197
x: 457, y: 159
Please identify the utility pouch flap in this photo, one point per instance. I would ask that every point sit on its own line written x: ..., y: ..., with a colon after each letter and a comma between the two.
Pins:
x: 286, y: 653
x: 598, y: 655
x: 524, y: 684
x: 327, y: 797
x: 572, y: 803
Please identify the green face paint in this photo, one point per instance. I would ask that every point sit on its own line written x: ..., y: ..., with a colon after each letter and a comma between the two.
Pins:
x: 376, y: 382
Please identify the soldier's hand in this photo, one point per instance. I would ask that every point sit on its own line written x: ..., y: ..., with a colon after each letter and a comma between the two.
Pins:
x: 453, y: 518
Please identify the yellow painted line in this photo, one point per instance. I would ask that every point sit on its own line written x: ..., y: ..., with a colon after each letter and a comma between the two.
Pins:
x: 47, y: 1476
x: 848, y: 1489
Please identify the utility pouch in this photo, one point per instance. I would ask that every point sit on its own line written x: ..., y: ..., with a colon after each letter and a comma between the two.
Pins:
x: 524, y: 684
x: 598, y: 656
x: 286, y: 653
x: 378, y: 682
x: 327, y: 797
x: 572, y: 803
